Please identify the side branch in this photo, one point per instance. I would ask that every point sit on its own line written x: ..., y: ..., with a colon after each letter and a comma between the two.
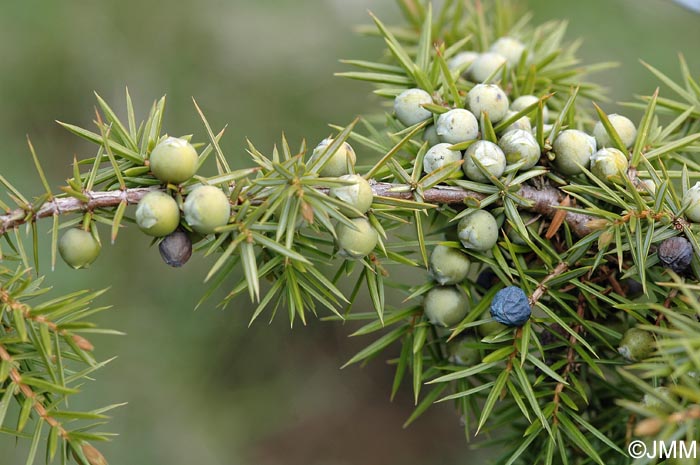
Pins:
x: 544, y: 202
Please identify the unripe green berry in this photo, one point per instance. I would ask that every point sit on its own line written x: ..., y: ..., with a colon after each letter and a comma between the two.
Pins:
x: 609, y: 165
x: 445, y: 306
x: 176, y: 248
x: 660, y: 401
x: 359, y: 242
x: 489, y: 155
x: 78, y: 248
x: 525, y: 101
x: 438, y: 156
x: 448, y: 265
x: 408, y: 109
x: 636, y: 344
x: 207, y: 208
x: 462, y: 61
x: 522, y: 123
x: 691, y: 203
x: 485, y: 65
x: 157, y: 214
x: 457, y: 125
x: 463, y: 351
x: 490, y: 328
x: 478, y: 230
x: 624, y: 127
x: 573, y: 148
x: 430, y: 135
x: 512, y: 49
x: 173, y: 160
x: 341, y: 162
x: 357, y: 195
x: 490, y: 99
x: 520, y: 146
x: 531, y: 224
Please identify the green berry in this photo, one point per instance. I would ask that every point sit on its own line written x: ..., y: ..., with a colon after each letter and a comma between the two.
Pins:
x: 512, y: 49
x: 357, y: 195
x: 520, y: 146
x: 358, y: 242
x: 636, y: 344
x: 207, y: 208
x: 438, y: 156
x: 463, y: 351
x: 157, y: 214
x: 448, y: 265
x: 663, y: 396
x: 522, y: 123
x: 430, y: 135
x: 78, y: 248
x: 176, y: 248
x: 490, y: 328
x: 478, y: 230
x: 340, y: 163
x: 462, y: 61
x: 691, y: 202
x: 609, y: 165
x: 573, y: 149
x: 458, y: 125
x: 490, y: 99
x: 624, y: 127
x: 531, y: 224
x: 525, y: 101
x: 489, y: 155
x: 173, y: 160
x: 485, y: 65
x: 445, y: 306
x: 408, y: 109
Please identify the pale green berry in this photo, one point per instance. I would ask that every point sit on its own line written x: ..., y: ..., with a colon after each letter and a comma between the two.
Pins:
x: 358, y: 242
x: 463, y: 351
x: 157, y: 214
x: 609, y: 165
x: 573, y: 149
x: 646, y: 186
x: 408, y: 109
x: 691, y: 202
x: 520, y: 145
x: 512, y: 49
x: 207, y: 208
x: 438, y: 156
x: 525, y: 101
x: 489, y: 155
x: 457, y: 126
x: 478, y: 231
x: 636, y: 344
x: 532, y: 225
x: 173, y: 160
x: 461, y: 61
x: 78, y: 248
x: 522, y: 123
x: 445, y: 306
x: 448, y: 265
x: 489, y: 99
x: 660, y: 400
x: 430, y: 135
x: 340, y: 163
x: 357, y: 195
x: 485, y: 65
x: 490, y: 328
x: 624, y: 127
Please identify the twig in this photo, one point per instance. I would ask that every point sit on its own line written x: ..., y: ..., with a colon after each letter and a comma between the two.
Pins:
x: 544, y: 202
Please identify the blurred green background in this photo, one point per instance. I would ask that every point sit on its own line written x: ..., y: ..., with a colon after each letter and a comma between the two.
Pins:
x: 201, y: 387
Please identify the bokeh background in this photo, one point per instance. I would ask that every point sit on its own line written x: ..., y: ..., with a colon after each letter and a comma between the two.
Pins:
x: 202, y: 388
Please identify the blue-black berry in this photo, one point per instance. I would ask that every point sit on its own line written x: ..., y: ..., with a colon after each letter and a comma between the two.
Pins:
x: 676, y: 253
x: 511, y: 307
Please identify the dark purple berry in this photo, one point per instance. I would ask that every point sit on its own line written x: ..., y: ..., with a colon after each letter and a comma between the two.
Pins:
x: 176, y: 248
x: 676, y: 253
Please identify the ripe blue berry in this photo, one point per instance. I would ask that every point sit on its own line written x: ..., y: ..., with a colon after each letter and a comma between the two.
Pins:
x: 609, y: 165
x: 511, y: 307
x: 207, y: 208
x: 573, y: 149
x: 636, y: 344
x: 485, y: 65
x: 341, y: 162
x: 489, y: 155
x: 438, y: 156
x: 490, y: 99
x: 173, y: 160
x: 512, y: 49
x: 458, y: 125
x: 408, y: 109
x: 478, y: 230
x: 357, y: 195
x: 691, y: 203
x: 157, y: 214
x: 445, y: 306
x: 78, y: 248
x: 676, y: 253
x: 520, y: 146
x: 358, y: 242
x: 176, y: 248
x: 624, y: 127
x: 448, y: 265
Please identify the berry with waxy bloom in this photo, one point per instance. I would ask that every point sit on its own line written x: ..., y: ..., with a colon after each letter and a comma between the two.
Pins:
x: 78, y: 248
x: 636, y: 344
x: 445, y: 306
x: 457, y: 125
x: 573, y: 149
x: 176, y: 248
x: 358, y: 195
x: 624, y: 127
x: 438, y: 156
x: 525, y: 101
x: 511, y: 307
x: 512, y: 49
x: 408, y: 109
x: 489, y: 155
x: 691, y: 203
x: 520, y: 146
x: 340, y: 163
x: 448, y: 265
x: 485, y: 65
x: 358, y: 242
x: 490, y: 99
x: 157, y: 214
x: 207, y: 208
x: 478, y: 230
x: 676, y: 253
x: 609, y: 165
x: 173, y: 160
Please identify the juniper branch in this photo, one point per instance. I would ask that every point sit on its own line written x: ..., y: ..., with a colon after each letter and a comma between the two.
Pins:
x: 544, y: 201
